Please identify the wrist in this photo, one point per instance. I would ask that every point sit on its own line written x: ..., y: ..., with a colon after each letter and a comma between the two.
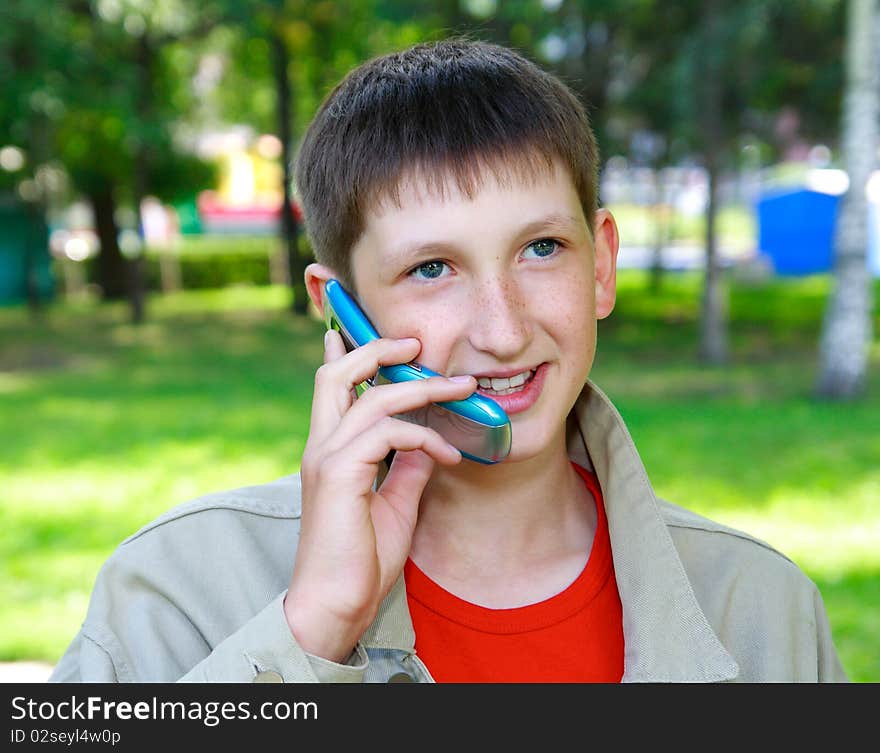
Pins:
x: 319, y: 634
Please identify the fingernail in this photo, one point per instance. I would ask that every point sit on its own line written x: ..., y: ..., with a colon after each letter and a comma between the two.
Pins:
x: 462, y: 378
x: 327, y: 337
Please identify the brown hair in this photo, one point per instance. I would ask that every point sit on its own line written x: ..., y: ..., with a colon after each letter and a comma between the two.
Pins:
x: 438, y: 109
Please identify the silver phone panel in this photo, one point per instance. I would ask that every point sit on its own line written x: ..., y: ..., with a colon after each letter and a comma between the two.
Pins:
x: 479, y: 440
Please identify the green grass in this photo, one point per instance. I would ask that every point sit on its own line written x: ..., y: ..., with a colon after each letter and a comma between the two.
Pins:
x: 106, y: 425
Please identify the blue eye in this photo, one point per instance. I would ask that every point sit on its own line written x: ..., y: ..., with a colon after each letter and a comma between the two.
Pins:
x: 543, y: 248
x: 430, y: 270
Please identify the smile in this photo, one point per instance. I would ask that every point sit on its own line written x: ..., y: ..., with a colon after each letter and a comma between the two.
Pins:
x: 506, y: 385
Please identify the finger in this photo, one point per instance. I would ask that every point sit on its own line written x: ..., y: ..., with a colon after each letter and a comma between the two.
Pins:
x: 334, y: 346
x: 334, y: 349
x: 335, y: 380
x: 370, y: 448
x: 362, y: 363
x: 401, y: 492
x: 385, y: 400
x: 406, y: 479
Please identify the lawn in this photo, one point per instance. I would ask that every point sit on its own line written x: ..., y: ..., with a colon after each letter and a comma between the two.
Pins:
x: 106, y: 425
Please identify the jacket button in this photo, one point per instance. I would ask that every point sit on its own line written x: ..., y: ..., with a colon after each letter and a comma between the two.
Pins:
x: 400, y: 677
x: 268, y: 675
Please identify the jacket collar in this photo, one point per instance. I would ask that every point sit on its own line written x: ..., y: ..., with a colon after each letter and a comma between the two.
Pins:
x: 667, y: 637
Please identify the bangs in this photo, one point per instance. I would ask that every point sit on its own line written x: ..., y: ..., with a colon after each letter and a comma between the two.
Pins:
x: 467, y: 173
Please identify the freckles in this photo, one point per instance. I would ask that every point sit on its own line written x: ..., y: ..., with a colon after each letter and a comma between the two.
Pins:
x: 570, y: 306
x: 434, y: 329
x: 400, y: 328
x: 498, y: 304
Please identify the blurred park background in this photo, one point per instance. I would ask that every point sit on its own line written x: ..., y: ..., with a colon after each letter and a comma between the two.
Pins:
x: 156, y: 342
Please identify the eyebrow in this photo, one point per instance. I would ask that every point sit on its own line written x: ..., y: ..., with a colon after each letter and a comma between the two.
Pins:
x: 556, y: 220
x: 552, y: 221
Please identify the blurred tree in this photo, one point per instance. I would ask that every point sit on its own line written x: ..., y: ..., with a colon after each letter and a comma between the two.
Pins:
x: 706, y: 76
x: 141, y: 36
x: 282, y: 57
x: 847, y: 330
x: 115, y: 79
x: 713, y: 138
x: 648, y: 118
x: 262, y: 52
x: 95, y: 88
x: 289, y: 225
x: 27, y: 107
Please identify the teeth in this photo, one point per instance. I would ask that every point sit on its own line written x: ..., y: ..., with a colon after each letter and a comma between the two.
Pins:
x: 504, y: 384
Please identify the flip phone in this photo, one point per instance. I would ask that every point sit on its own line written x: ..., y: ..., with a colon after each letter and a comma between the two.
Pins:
x: 477, y: 426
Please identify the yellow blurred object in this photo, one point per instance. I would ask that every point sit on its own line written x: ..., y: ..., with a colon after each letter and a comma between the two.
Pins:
x: 248, y: 179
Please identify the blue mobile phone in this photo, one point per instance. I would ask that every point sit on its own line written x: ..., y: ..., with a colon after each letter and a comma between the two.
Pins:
x: 477, y: 426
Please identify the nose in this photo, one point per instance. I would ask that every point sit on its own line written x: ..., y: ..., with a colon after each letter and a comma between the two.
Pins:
x: 500, y: 324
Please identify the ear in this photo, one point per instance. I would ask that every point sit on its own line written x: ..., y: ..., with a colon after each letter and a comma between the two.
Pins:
x: 606, y: 243
x: 315, y: 276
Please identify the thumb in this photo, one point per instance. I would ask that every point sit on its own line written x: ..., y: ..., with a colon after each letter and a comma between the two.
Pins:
x: 405, y: 482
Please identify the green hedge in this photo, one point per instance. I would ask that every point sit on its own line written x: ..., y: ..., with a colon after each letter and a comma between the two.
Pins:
x: 222, y: 245
x: 214, y: 270
x: 210, y: 262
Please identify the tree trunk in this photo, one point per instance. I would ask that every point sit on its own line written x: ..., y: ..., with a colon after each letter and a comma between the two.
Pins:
x: 288, y: 228
x: 847, y: 330
x: 713, y: 314
x: 660, y: 215
x: 714, y: 311
x: 140, y: 179
x: 588, y: 73
x: 111, y: 265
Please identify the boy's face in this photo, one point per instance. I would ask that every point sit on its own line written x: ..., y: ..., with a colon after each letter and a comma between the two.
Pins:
x: 506, y: 287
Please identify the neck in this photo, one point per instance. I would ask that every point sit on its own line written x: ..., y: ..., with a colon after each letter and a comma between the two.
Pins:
x: 505, y: 522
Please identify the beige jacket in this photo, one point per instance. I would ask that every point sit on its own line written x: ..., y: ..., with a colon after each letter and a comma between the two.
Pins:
x: 196, y: 595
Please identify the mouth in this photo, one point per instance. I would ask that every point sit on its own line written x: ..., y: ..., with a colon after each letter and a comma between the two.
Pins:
x: 495, y: 386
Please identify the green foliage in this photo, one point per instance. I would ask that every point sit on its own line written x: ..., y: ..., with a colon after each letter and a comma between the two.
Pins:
x: 97, y: 88
x: 324, y: 40
x: 175, y: 175
x: 766, y: 59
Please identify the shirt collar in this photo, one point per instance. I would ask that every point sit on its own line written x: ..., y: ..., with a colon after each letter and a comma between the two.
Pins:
x: 667, y: 637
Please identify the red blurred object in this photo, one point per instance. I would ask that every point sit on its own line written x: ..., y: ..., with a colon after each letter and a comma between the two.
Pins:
x: 255, y: 219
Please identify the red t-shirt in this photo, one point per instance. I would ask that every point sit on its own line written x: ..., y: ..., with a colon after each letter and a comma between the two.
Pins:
x: 574, y: 636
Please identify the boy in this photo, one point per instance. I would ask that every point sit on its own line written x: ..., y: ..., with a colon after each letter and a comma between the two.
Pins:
x: 452, y: 189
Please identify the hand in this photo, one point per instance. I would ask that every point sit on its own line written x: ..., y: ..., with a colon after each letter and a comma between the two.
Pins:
x: 354, y: 540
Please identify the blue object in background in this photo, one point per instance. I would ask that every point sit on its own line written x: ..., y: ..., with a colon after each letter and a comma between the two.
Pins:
x: 796, y: 230
x: 24, y: 252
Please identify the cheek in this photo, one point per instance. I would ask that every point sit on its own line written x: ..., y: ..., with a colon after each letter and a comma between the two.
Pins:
x: 571, y: 318
x: 570, y: 309
x: 434, y: 327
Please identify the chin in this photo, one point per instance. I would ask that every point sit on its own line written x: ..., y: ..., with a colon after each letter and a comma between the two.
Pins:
x: 539, y: 435
x: 531, y: 445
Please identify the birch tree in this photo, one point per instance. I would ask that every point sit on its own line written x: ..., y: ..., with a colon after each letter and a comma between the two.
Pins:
x: 846, y: 333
